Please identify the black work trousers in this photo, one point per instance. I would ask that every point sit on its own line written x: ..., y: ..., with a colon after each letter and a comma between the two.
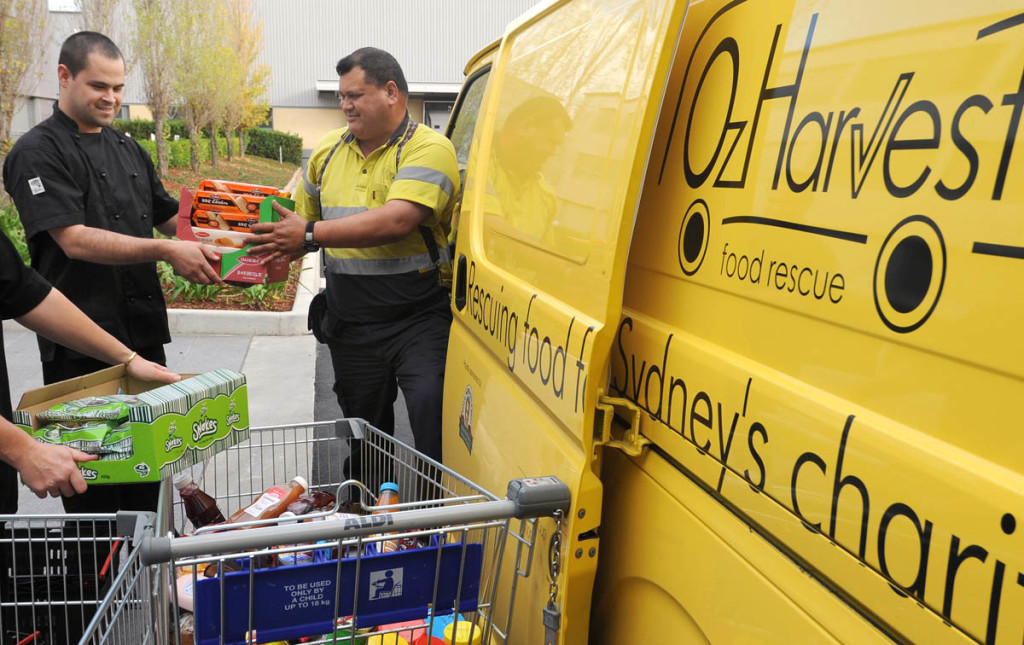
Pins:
x: 113, y: 497
x: 373, y: 360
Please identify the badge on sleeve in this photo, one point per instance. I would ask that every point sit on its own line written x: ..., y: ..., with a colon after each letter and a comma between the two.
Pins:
x: 36, y: 185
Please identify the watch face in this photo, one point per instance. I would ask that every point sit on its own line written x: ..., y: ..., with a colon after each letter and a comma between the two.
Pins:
x: 308, y: 243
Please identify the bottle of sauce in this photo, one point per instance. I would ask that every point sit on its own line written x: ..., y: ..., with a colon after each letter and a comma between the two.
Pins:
x: 272, y: 502
x: 200, y: 508
x: 314, y: 501
x: 388, y: 497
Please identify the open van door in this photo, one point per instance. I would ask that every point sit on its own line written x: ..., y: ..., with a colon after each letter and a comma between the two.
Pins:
x: 554, y: 172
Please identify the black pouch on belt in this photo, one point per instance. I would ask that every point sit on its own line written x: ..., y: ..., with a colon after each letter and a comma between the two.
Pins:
x: 315, y: 318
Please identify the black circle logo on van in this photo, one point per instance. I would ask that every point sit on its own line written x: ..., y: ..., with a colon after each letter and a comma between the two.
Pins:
x: 909, y: 274
x: 694, y: 234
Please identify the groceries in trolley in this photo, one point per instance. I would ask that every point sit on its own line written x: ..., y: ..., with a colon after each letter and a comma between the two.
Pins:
x: 394, y: 567
x: 319, y: 573
x: 292, y: 503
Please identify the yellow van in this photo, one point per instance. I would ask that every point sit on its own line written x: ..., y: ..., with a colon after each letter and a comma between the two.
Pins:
x: 748, y: 276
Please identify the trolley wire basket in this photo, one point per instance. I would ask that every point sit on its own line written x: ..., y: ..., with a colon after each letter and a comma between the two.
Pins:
x: 57, y: 572
x: 315, y: 579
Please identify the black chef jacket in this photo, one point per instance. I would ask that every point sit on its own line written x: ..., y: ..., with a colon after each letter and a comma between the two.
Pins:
x: 60, y: 177
x: 21, y: 290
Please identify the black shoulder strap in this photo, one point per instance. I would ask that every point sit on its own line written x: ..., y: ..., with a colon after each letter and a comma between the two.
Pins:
x: 428, y: 235
x: 323, y: 168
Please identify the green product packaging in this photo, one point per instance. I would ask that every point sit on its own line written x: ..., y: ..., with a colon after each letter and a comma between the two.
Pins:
x: 110, y: 407
x: 168, y: 428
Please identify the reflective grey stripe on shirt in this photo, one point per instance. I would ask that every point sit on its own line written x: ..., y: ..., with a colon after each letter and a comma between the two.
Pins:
x: 428, y: 175
x: 337, y: 212
x: 384, y: 266
x: 311, y: 189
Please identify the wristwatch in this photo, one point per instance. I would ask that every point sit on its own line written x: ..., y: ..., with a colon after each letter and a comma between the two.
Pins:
x: 308, y: 244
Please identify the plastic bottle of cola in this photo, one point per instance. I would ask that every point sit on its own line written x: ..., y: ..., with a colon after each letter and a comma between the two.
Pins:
x: 200, y: 508
x: 388, y: 497
x: 272, y: 502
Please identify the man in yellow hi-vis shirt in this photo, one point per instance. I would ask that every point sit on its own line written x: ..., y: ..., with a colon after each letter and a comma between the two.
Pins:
x: 376, y: 195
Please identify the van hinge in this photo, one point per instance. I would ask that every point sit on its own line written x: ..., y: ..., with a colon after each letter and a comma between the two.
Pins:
x: 623, y: 433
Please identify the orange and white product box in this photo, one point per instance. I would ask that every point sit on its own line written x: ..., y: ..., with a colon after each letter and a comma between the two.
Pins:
x: 235, y: 265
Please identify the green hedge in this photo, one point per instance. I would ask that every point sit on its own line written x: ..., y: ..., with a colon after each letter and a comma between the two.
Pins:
x: 261, y: 142
x: 138, y: 129
x: 141, y: 129
x: 179, y: 155
x: 176, y: 127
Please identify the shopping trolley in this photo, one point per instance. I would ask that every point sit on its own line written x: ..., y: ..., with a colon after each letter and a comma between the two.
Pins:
x: 60, y: 573
x: 325, y: 581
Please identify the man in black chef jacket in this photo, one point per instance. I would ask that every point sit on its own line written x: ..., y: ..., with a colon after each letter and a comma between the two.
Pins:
x: 89, y: 199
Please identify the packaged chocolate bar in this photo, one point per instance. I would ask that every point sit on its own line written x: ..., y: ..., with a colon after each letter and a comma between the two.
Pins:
x: 221, y: 186
x: 224, y: 220
x: 231, y: 240
x: 207, y: 200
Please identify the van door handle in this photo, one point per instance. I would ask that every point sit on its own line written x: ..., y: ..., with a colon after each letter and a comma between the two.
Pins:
x: 623, y: 434
x: 460, y: 283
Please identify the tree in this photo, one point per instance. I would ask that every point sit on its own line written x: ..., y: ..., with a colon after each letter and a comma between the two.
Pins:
x: 108, y: 18
x: 249, y: 78
x: 256, y: 106
x: 155, y: 44
x: 23, y: 41
x: 198, y: 64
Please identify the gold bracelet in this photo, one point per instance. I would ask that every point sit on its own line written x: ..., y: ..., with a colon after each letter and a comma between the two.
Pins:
x: 131, y: 357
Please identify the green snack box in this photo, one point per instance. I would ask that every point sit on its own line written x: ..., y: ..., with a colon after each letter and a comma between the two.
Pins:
x: 172, y: 427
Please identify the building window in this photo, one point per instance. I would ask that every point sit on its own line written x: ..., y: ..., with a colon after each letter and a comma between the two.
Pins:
x: 65, y: 6
x: 436, y: 113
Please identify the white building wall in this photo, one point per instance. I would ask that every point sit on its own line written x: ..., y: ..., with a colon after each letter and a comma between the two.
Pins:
x: 432, y: 39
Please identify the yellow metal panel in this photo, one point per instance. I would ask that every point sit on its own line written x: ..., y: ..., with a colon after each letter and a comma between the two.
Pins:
x: 701, y: 575
x: 820, y: 318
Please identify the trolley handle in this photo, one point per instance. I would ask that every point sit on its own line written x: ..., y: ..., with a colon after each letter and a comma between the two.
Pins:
x: 527, y: 498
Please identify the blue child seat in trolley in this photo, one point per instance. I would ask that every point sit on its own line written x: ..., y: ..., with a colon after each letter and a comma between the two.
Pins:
x: 299, y: 600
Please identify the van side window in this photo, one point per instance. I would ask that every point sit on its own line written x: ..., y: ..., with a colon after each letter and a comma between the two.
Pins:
x: 460, y: 132
x: 463, y: 121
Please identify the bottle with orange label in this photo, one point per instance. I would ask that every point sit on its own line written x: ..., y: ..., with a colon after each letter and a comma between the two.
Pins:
x: 272, y: 502
x: 388, y: 497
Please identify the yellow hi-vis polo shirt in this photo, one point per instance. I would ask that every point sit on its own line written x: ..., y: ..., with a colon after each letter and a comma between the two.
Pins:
x: 420, y: 168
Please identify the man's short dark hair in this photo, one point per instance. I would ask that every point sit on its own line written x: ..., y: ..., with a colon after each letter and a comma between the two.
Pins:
x: 378, y: 66
x: 76, y: 49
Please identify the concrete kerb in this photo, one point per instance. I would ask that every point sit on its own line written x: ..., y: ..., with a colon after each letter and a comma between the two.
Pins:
x: 256, y: 323
x: 253, y: 323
